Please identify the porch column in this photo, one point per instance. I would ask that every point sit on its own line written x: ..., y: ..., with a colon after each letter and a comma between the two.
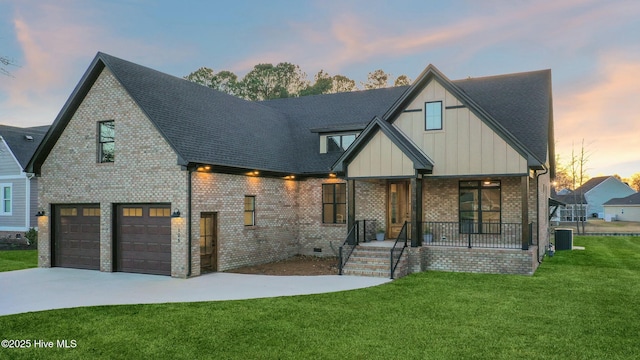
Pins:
x: 524, y: 189
x: 416, y: 212
x: 351, y: 203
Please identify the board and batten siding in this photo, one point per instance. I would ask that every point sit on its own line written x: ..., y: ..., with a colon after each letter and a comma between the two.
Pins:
x: 380, y: 157
x: 465, y: 145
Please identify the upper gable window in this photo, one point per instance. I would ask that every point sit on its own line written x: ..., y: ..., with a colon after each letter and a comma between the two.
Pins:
x: 340, y: 143
x: 106, y: 136
x: 433, y: 115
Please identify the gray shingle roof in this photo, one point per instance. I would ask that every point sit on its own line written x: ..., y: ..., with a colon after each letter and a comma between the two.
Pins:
x: 209, y: 127
x: 336, y: 112
x: 520, y: 102
x: 633, y: 199
x: 20, y: 146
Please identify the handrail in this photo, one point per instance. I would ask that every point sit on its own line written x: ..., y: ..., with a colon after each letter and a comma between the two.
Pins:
x: 474, y: 234
x: 401, y: 236
x: 352, y: 242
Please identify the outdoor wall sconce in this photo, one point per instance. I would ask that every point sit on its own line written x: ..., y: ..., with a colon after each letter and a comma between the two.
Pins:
x: 40, y: 213
x: 176, y: 213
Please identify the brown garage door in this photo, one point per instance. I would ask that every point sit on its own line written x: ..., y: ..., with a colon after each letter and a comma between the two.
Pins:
x: 143, y: 238
x: 77, y: 236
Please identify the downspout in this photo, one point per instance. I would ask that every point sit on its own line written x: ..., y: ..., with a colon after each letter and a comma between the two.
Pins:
x: 189, y: 203
x: 546, y: 170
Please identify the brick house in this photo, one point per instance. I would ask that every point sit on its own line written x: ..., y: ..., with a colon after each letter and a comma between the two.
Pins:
x: 145, y: 172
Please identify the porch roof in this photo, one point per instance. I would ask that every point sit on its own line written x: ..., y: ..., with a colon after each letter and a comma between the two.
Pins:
x: 421, y: 162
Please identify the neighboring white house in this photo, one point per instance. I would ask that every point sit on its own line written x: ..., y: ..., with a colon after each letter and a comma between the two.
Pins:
x: 18, y: 190
x: 623, y: 209
x: 587, y: 200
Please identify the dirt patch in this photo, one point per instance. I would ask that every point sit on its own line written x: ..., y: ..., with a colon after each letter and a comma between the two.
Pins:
x: 601, y: 226
x: 297, y: 265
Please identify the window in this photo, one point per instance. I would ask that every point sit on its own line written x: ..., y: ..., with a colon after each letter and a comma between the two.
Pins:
x: 249, y: 211
x: 334, y: 203
x: 433, y: 115
x: 69, y: 212
x: 6, y: 196
x: 159, y: 212
x: 340, y: 143
x: 480, y: 209
x: 90, y: 212
x: 106, y: 135
x: 129, y: 212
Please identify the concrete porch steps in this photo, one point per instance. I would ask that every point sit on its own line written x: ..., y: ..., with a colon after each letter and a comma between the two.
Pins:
x: 375, y: 262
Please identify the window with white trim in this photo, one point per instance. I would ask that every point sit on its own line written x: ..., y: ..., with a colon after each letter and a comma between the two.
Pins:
x: 6, y: 196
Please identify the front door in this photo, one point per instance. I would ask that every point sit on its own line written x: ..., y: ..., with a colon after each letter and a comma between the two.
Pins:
x: 399, y: 203
x: 209, y: 241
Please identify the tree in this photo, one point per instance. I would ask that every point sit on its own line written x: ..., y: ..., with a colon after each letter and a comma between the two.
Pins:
x: 563, y: 178
x: 4, y: 62
x: 323, y: 84
x: 578, y: 167
x: 634, y: 181
x: 376, y: 80
x: 266, y: 81
x: 402, y: 80
x: 203, y: 76
x: 342, y: 83
x: 224, y: 81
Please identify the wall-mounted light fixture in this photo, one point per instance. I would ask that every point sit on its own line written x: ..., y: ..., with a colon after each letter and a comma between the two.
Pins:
x: 290, y: 177
x: 40, y: 213
x: 332, y: 175
x: 176, y: 213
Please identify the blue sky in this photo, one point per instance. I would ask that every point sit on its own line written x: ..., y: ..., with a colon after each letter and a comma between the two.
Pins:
x: 592, y: 48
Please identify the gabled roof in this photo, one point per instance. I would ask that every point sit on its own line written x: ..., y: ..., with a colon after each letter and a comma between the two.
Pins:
x: 516, y: 106
x: 633, y: 199
x: 23, y: 142
x: 210, y: 127
x: 205, y: 126
x: 591, y: 184
x: 421, y: 161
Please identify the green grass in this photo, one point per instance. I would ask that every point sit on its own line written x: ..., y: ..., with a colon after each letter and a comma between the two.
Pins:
x: 578, y: 305
x: 18, y: 259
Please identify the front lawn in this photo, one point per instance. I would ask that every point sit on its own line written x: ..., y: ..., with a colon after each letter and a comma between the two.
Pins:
x: 578, y: 305
x: 18, y: 259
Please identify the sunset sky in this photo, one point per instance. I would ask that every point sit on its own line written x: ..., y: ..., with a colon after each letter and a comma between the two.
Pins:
x: 592, y: 48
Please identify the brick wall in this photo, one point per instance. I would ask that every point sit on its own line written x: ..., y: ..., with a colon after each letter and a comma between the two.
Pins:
x: 477, y: 260
x: 313, y: 233
x: 145, y: 170
x: 275, y: 234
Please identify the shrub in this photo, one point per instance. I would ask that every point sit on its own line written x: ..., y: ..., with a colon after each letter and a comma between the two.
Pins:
x: 32, y: 236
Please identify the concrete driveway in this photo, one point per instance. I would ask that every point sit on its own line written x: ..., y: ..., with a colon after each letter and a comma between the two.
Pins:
x: 56, y: 288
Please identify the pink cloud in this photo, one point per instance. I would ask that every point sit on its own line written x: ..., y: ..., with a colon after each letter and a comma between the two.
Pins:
x: 604, y: 113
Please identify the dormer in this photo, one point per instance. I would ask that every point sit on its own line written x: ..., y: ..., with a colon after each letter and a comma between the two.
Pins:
x: 338, y: 138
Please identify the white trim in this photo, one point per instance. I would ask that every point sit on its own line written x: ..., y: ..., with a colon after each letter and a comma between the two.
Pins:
x: 9, y: 228
x: 14, y: 177
x: 27, y: 203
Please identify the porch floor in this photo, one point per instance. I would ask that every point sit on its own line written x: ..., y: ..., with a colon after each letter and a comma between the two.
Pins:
x: 385, y: 244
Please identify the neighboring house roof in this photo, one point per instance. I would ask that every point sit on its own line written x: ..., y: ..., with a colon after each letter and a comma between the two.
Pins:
x: 570, y: 199
x: 205, y: 126
x: 590, y: 184
x: 577, y: 196
x: 23, y: 142
x: 633, y: 199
